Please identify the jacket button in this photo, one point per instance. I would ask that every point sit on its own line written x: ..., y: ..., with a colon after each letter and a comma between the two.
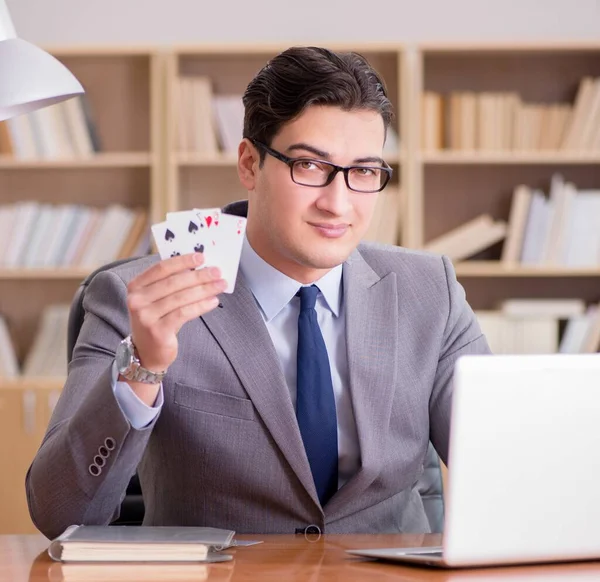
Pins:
x: 94, y: 470
x: 110, y: 443
x: 309, y: 530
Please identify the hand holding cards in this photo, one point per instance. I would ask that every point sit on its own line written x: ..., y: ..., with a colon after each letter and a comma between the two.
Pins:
x: 216, y: 235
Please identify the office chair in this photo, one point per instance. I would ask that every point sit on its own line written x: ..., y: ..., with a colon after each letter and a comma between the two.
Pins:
x: 429, y: 485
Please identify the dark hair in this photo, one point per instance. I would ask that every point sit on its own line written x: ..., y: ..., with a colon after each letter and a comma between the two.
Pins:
x: 304, y: 76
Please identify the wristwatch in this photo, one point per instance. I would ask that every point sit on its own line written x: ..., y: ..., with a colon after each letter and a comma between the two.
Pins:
x: 129, y: 366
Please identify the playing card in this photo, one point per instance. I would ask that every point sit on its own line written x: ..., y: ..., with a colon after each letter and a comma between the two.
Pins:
x: 230, y: 236
x: 191, y: 236
x: 168, y: 244
x: 218, y: 236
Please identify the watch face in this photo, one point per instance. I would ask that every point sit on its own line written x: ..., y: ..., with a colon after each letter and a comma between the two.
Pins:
x: 123, y: 356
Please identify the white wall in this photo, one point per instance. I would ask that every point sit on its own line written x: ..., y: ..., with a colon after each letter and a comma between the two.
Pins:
x: 70, y: 22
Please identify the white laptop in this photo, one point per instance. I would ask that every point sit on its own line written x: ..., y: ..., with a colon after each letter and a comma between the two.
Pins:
x: 524, y: 464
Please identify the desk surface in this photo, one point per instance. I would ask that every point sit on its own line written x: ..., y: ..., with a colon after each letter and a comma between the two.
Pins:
x: 281, y: 558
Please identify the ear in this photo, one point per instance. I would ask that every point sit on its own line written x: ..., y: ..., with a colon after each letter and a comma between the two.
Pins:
x: 248, y: 161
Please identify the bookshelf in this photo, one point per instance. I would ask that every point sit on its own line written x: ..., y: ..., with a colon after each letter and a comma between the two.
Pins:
x: 452, y: 182
x: 124, y: 91
x: 206, y: 177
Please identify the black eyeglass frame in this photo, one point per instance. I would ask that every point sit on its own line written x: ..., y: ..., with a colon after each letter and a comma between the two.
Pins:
x: 335, y: 169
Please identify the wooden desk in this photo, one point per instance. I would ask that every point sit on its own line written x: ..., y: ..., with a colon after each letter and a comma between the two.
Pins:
x: 281, y: 558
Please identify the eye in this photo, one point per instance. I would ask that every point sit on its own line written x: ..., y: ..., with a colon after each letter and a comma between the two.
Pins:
x: 308, y: 165
x: 366, y: 172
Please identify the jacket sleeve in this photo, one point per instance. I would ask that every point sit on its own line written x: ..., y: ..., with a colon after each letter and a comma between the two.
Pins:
x: 90, y: 450
x: 462, y: 335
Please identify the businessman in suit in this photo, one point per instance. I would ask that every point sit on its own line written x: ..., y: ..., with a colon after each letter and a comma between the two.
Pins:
x: 306, y: 397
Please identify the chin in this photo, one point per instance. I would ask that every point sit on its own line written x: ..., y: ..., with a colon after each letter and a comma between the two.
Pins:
x: 325, y: 258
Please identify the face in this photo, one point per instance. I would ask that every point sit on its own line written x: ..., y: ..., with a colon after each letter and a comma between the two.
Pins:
x: 303, y: 231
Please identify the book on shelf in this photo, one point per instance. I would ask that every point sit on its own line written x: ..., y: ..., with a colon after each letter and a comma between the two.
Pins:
x: 9, y: 364
x: 385, y: 223
x: 65, y: 130
x: 470, y: 238
x: 47, y: 356
x: 37, y: 235
x: 559, y: 308
x: 509, y: 334
x: 501, y: 121
x: 561, y: 229
x: 582, y: 333
x: 207, y: 122
x: 533, y: 326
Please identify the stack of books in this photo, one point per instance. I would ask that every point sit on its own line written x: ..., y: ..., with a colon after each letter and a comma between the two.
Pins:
x: 37, y: 235
x: 62, y: 131
x: 47, y: 356
x: 212, y: 123
x: 468, y: 121
x: 533, y: 326
x: 558, y: 229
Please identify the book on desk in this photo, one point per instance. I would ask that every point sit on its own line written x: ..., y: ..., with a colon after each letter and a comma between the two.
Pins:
x: 91, y: 543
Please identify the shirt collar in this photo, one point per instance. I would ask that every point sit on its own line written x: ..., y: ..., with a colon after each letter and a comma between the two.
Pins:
x: 273, y: 290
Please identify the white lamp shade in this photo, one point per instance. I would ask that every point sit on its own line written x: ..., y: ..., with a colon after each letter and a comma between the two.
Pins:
x: 30, y: 78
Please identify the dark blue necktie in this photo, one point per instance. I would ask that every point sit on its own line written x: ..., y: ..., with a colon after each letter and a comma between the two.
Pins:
x: 315, y: 407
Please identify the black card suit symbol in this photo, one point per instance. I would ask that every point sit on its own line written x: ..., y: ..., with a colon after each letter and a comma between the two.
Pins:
x: 199, y: 248
x: 169, y: 235
x: 175, y: 254
x: 192, y: 227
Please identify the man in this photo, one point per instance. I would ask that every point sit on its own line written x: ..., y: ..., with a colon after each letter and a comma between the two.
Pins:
x: 309, y: 395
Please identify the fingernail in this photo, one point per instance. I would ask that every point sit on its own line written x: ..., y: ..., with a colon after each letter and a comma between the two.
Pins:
x: 198, y: 258
x: 214, y: 272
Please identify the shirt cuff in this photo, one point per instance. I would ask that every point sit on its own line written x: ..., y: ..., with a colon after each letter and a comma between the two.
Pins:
x: 137, y: 412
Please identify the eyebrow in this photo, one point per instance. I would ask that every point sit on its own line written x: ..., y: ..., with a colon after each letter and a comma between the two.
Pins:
x: 326, y: 156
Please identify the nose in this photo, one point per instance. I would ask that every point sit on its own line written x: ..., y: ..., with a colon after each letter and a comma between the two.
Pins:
x: 335, y: 197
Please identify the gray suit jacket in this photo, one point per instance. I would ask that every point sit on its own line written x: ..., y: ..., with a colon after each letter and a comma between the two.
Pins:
x: 226, y: 450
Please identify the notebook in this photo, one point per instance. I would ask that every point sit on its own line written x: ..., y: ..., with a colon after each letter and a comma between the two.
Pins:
x: 94, y: 543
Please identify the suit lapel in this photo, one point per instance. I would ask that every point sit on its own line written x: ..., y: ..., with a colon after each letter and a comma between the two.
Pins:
x: 371, y: 313
x: 241, y: 332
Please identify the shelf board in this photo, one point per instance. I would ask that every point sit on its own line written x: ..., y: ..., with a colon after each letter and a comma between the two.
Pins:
x: 101, y: 160
x: 468, y: 157
x: 495, y: 269
x: 45, y: 274
x: 201, y: 159
x: 23, y: 383
x: 226, y: 159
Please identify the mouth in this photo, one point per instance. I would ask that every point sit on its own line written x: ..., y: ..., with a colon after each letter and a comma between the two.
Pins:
x: 330, y: 230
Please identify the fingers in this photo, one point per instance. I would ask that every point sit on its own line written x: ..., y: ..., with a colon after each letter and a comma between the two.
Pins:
x: 179, y: 300
x: 176, y: 318
x: 172, y: 284
x: 165, y: 269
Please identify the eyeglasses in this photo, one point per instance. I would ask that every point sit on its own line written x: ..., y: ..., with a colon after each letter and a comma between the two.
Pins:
x: 319, y: 173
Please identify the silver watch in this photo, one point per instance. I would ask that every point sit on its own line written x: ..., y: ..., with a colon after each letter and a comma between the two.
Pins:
x: 128, y: 365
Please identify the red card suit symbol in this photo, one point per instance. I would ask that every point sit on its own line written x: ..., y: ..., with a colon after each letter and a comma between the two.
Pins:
x: 208, y: 220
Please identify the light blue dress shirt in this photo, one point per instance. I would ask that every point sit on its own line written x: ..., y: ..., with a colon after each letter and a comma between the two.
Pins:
x: 275, y: 294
